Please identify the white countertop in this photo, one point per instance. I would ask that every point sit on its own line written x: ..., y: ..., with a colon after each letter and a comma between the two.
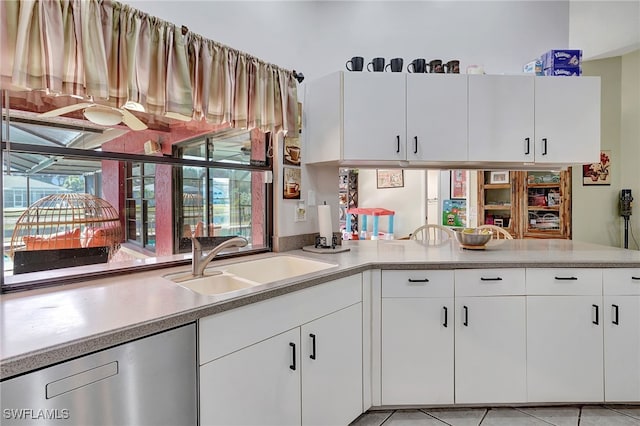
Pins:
x: 42, y: 327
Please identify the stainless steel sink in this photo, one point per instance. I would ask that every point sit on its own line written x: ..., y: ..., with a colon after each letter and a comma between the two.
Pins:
x: 241, y: 275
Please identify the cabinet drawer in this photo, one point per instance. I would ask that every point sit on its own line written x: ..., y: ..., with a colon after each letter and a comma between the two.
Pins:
x: 564, y: 281
x: 235, y: 329
x: 490, y: 282
x: 623, y: 281
x: 419, y: 283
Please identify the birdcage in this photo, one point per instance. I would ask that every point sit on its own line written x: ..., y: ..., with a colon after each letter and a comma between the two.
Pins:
x: 68, y: 221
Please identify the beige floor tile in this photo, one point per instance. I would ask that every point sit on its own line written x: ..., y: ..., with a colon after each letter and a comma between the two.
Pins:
x: 510, y: 417
x: 600, y: 416
x: 459, y: 416
x: 372, y: 418
x: 558, y: 416
x: 412, y: 418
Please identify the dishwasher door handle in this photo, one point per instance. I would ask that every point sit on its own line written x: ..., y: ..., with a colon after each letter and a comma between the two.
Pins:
x: 79, y: 380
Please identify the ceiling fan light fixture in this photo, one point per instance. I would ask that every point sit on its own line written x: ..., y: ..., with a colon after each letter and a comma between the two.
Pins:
x: 133, y: 106
x: 103, y: 116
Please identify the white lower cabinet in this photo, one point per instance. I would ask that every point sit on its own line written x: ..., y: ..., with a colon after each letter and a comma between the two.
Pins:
x: 332, y: 368
x: 490, y: 338
x: 417, y: 337
x: 417, y: 351
x: 253, y: 373
x: 490, y: 355
x: 621, y: 335
x: 255, y: 385
x: 564, y: 335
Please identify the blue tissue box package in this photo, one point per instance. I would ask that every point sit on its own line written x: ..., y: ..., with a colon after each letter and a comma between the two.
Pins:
x: 533, y: 67
x: 564, y: 71
x: 561, y: 58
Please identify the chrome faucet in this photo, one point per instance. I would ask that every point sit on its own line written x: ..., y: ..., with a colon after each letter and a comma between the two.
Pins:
x: 199, y: 261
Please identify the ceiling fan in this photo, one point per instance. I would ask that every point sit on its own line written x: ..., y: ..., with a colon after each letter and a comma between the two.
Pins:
x: 100, y: 114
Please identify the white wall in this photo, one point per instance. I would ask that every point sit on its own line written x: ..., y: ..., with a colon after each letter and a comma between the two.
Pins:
x: 630, y: 137
x: 408, y: 202
x: 604, y: 28
x: 317, y: 38
x: 595, y: 208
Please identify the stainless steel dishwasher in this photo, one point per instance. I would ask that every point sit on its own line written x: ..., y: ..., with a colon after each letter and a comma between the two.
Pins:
x: 151, y: 381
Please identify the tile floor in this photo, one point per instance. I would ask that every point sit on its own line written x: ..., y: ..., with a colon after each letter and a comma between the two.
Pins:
x: 592, y: 415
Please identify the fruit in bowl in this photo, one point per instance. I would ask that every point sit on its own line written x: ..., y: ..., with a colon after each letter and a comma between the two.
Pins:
x: 473, y: 237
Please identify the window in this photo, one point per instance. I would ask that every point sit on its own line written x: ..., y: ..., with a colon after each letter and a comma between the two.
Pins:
x: 140, y: 205
x: 211, y: 186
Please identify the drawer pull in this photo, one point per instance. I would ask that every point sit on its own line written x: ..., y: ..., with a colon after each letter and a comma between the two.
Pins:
x: 616, y: 317
x: 526, y: 150
x: 398, y: 142
x: 566, y: 278
x: 490, y: 279
x: 465, y: 320
x: 596, y: 321
x: 423, y: 280
x: 415, y: 147
x: 313, y: 346
x: 635, y: 278
x: 445, y: 323
x: 293, y: 354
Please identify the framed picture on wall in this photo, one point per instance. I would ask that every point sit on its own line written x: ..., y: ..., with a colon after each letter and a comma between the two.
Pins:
x: 597, y: 173
x: 292, y: 179
x: 391, y: 178
x: 458, y: 185
x: 292, y: 151
x: 499, y: 177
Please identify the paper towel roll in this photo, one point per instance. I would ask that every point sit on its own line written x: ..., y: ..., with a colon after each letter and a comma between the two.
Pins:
x: 324, y: 222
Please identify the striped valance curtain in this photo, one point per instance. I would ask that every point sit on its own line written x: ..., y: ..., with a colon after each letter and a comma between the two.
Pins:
x: 114, y: 53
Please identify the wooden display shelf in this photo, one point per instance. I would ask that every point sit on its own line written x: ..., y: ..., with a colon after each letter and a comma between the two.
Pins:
x: 497, y: 186
x: 544, y: 208
x: 497, y: 206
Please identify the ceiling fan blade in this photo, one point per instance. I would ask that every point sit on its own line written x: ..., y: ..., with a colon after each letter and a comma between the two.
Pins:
x: 131, y: 120
x: 65, y: 110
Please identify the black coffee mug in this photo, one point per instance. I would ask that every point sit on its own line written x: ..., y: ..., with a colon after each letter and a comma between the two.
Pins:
x: 452, y: 67
x: 435, y: 66
x: 417, y: 66
x: 395, y: 64
x: 377, y: 64
x: 356, y: 63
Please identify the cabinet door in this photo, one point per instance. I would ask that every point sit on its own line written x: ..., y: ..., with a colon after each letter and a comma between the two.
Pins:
x: 490, y: 350
x: 437, y: 117
x: 622, y: 348
x: 567, y: 124
x: 501, y: 120
x: 332, y: 368
x: 417, y: 351
x: 374, y: 122
x: 259, y: 384
x: 564, y: 349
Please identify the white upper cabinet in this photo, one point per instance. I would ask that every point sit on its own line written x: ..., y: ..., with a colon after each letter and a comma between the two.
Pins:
x: 567, y: 117
x: 374, y: 116
x: 501, y: 121
x: 436, y: 117
x: 534, y: 119
x: 378, y: 117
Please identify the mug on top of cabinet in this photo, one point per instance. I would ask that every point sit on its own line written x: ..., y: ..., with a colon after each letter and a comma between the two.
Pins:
x: 418, y: 65
x: 377, y: 64
x: 357, y: 63
x: 395, y: 64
